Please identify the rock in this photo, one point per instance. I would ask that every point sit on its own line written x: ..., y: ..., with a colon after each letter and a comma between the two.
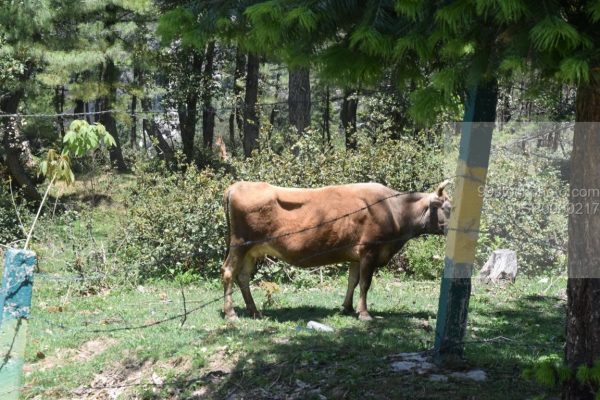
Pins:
x: 476, y: 375
x: 413, y: 362
x: 319, y: 327
x: 425, y: 367
x: 403, y: 366
x: 438, y: 378
x: 502, y: 265
x: 419, y: 357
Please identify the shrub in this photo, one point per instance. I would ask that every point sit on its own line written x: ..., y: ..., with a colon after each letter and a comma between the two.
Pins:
x: 525, y: 209
x: 10, y: 226
x: 176, y: 221
x: 425, y: 257
x: 9, y: 223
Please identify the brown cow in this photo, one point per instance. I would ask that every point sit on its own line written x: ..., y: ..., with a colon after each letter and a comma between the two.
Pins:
x: 364, y: 224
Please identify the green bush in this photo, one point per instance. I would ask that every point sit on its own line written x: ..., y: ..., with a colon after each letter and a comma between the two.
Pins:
x: 176, y: 224
x: 425, y: 257
x: 10, y: 229
x: 525, y: 209
x: 176, y: 221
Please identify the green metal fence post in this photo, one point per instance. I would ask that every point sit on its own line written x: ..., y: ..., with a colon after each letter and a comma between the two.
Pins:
x: 475, y: 144
x: 15, y: 300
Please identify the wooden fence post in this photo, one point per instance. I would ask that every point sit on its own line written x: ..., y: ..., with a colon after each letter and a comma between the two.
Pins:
x: 463, y: 231
x: 15, y: 302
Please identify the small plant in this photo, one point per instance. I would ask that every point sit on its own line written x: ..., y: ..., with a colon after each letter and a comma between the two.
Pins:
x: 551, y: 371
x: 270, y: 289
x: 80, y: 139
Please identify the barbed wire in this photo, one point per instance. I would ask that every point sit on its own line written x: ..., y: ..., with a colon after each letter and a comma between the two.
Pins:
x: 210, y: 109
x: 209, y: 376
x: 329, y: 221
x: 187, y: 312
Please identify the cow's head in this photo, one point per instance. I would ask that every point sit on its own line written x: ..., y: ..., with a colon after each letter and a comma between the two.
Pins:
x: 440, y: 207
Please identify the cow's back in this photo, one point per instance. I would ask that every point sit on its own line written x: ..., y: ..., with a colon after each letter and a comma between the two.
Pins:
x: 305, y: 226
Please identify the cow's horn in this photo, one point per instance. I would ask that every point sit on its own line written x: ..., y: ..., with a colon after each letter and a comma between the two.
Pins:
x: 441, y: 186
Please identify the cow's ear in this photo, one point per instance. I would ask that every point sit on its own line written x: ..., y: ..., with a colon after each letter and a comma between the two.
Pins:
x: 435, y: 201
x: 440, y: 189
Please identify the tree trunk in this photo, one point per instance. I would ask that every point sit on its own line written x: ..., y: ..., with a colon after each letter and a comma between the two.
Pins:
x: 188, y: 112
x: 111, y: 78
x: 208, y: 112
x: 583, y: 286
x: 326, y: 117
x: 134, y: 100
x: 235, y: 117
x: 149, y: 126
x: 13, y: 143
x: 59, y: 105
x: 251, y: 126
x: 79, y: 109
x: 348, y: 117
x: 299, y: 98
x: 275, y: 109
x: 88, y: 116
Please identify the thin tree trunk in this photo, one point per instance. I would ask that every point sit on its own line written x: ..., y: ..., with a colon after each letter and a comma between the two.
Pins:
x: 79, y: 109
x: 111, y: 78
x: 275, y: 109
x: 208, y: 112
x: 150, y: 127
x: 326, y: 117
x: 240, y: 72
x: 88, y: 116
x: 59, y: 105
x: 251, y: 125
x: 188, y: 112
x: 299, y: 98
x: 348, y: 117
x: 13, y: 144
x: 134, y: 100
x: 583, y: 286
x: 133, y: 134
x: 235, y: 117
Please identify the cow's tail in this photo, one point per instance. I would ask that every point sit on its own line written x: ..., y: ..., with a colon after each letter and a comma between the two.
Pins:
x: 226, y: 201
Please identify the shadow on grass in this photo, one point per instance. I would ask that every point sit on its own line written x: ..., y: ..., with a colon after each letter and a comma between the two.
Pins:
x: 280, y: 362
x: 307, y: 313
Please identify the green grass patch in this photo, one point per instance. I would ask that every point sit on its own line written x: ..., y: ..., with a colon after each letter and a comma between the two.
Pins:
x: 78, y: 348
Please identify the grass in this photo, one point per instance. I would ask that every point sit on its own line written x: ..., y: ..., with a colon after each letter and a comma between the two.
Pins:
x: 277, y: 357
x: 90, y: 344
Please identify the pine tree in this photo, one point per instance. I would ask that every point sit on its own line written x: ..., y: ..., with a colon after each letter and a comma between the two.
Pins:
x: 450, y: 47
x: 91, y: 57
x: 22, y: 27
x: 195, y: 23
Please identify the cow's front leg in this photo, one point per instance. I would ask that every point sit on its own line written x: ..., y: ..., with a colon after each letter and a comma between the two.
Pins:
x: 367, y: 267
x: 353, y: 277
x: 243, y: 280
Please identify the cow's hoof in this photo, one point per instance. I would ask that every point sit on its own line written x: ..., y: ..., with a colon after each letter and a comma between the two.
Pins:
x: 231, y: 316
x: 347, y: 310
x: 365, y: 317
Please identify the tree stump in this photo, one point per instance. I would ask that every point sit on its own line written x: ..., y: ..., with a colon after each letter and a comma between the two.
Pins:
x: 502, y: 265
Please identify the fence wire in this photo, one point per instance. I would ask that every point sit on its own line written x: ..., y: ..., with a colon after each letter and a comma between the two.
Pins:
x: 166, y: 111
x: 92, y: 326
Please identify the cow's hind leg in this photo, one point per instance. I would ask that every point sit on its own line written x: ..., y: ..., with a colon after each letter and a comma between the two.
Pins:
x: 353, y: 277
x: 243, y: 281
x: 367, y: 267
x: 228, y: 271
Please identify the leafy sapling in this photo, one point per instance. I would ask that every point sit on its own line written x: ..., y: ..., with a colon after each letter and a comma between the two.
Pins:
x: 79, y: 140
